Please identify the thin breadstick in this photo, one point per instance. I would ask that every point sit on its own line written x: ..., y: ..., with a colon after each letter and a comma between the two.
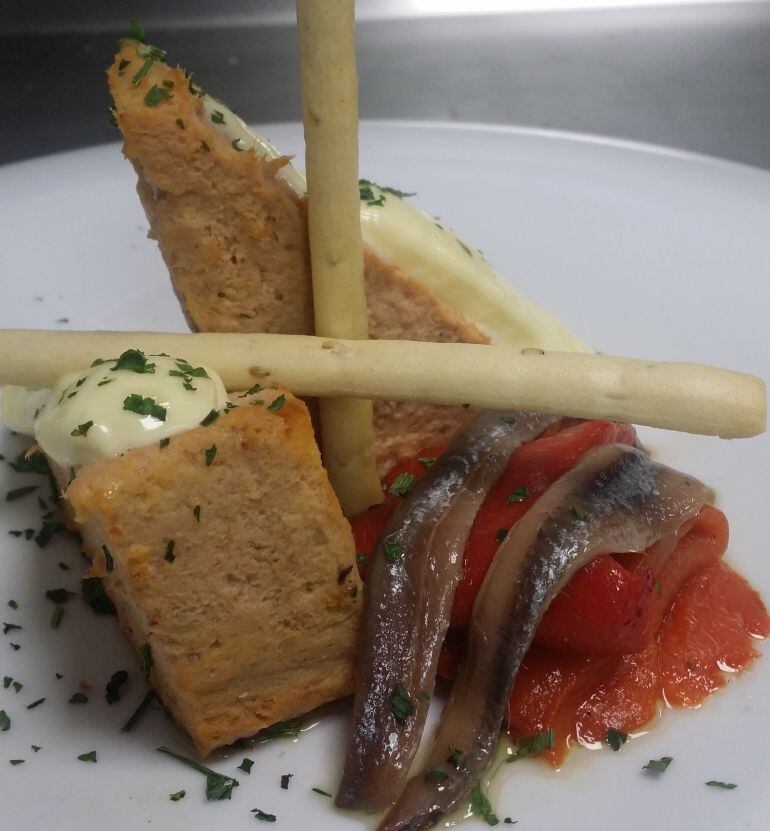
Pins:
x: 692, y: 398
x: 330, y: 115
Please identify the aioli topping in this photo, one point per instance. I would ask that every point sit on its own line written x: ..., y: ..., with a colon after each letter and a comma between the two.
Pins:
x: 118, y: 404
x: 420, y: 246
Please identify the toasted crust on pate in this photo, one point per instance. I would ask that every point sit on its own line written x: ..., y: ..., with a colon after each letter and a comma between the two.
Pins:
x: 234, y: 237
x: 255, y: 619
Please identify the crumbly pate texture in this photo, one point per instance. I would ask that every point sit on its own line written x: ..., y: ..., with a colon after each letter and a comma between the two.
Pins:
x: 234, y: 237
x: 252, y: 616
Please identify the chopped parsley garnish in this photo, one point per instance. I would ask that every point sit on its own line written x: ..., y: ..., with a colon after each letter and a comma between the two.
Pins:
x: 393, y: 550
x: 59, y: 595
x: 401, y: 705
x: 169, y: 555
x: 246, y: 765
x: 94, y: 594
x: 9, y: 627
x: 112, y: 689
x: 252, y: 390
x: 34, y: 463
x: 517, y: 495
x: 402, y: 484
x: 36, y: 747
x: 134, y: 403
x: 616, y: 738
x: 218, y: 786
x: 82, y: 429
x: 189, y: 369
x: 135, y: 31
x: 133, y: 360
x: 285, y: 779
x: 367, y: 194
x: 145, y: 659
x: 426, y: 461
x: 481, y: 805
x: 277, y: 403
x: 288, y: 729
x: 16, y: 761
x: 726, y: 786
x: 136, y: 715
x: 210, y: 454
x: 579, y: 514
x: 20, y: 493
x: 164, y: 443
x: 123, y: 64
x: 529, y: 746
x: 78, y: 698
x: 88, y: 757
x: 456, y: 758
x: 155, y: 95
x: 104, y: 382
x: 197, y: 513
x: 36, y: 703
x: 5, y: 722
x: 15, y: 646
x: 261, y: 815
x: 436, y: 774
x: 63, y: 566
x: 7, y: 681
x: 175, y: 797
x: 17, y: 685
x: 109, y: 563
x: 321, y: 791
x: 509, y: 419
x: 210, y: 418
x: 218, y: 117
x: 658, y: 765
x: 56, y: 616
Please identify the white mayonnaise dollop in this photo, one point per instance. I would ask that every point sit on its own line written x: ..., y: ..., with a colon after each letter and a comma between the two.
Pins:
x: 452, y: 271
x: 118, y: 404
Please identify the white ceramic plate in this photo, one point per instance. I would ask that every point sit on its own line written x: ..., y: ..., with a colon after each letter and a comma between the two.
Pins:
x: 642, y: 251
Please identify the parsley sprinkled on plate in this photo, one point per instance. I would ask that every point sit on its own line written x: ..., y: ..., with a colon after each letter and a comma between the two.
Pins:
x: 285, y: 779
x: 114, y: 685
x: 175, y: 797
x: 218, y: 786
x: 658, y: 765
x: 725, y: 786
x: 20, y: 493
x: 78, y: 698
x: 88, y: 757
x: 321, y: 791
x: 261, y: 815
x: 616, y: 738
x: 531, y: 745
x: 481, y: 805
x: 210, y: 455
x: 288, y: 729
x: 277, y: 404
x: 5, y: 722
x: 246, y: 765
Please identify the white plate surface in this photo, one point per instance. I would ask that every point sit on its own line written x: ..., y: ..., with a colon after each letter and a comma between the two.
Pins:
x: 643, y: 252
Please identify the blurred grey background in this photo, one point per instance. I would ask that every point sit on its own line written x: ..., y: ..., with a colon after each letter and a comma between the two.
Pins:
x: 689, y: 75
